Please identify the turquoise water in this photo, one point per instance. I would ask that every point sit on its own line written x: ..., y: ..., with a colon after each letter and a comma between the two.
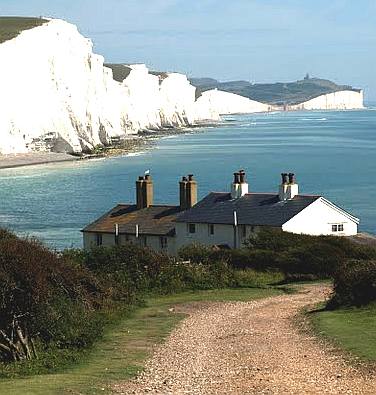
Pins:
x: 332, y: 153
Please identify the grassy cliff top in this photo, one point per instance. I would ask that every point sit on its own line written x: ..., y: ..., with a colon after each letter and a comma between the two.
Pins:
x: 278, y: 93
x: 121, y: 71
x: 11, y: 27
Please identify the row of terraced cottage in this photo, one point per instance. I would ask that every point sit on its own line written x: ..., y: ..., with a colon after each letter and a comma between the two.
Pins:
x: 223, y: 219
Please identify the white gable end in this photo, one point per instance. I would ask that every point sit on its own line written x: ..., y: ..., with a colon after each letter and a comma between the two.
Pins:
x: 322, y: 218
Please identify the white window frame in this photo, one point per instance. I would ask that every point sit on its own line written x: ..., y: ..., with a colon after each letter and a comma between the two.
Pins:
x: 338, y: 228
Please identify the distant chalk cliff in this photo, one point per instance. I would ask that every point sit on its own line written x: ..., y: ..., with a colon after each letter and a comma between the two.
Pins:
x: 309, y: 93
x: 340, y: 100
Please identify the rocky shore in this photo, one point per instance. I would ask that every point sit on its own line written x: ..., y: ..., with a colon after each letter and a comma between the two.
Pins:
x: 144, y: 140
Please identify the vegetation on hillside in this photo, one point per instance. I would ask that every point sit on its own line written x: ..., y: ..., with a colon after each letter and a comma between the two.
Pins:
x: 125, y: 346
x: 121, y: 71
x: 53, y: 306
x: 288, y: 93
x: 299, y: 257
x: 11, y: 27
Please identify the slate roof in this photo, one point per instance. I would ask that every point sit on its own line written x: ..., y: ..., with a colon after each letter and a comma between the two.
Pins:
x: 263, y: 209
x: 154, y: 220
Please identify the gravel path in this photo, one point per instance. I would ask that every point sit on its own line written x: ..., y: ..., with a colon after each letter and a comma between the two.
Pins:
x: 248, y: 348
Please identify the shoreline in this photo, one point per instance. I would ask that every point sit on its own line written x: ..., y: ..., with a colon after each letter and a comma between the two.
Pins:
x: 12, y: 161
x: 132, y: 144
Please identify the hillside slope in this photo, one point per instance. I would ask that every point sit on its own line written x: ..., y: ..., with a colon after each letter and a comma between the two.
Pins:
x: 291, y: 93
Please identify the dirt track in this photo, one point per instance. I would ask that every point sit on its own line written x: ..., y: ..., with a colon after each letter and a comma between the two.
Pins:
x: 248, y: 348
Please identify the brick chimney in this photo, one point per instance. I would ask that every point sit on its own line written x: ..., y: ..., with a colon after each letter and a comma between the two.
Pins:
x: 288, y: 188
x: 239, y: 186
x: 183, y: 193
x: 191, y: 191
x: 144, y: 192
x: 187, y: 192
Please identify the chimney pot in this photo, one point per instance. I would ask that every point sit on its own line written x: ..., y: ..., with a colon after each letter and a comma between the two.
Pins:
x: 242, y: 176
x: 284, y: 178
x: 291, y: 178
x: 289, y: 188
x: 239, y: 187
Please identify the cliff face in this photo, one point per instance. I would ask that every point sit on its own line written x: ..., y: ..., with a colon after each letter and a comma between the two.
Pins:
x: 57, y: 95
x: 342, y: 100
x: 276, y: 94
x: 229, y: 103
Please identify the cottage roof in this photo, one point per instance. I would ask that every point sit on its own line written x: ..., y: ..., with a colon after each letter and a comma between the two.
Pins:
x: 153, y: 220
x: 264, y: 209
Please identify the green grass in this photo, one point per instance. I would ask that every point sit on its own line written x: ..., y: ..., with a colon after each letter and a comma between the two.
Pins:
x: 11, y: 27
x: 122, y: 352
x: 352, y: 329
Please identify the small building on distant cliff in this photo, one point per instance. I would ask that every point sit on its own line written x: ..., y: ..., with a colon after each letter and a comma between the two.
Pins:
x: 225, y: 219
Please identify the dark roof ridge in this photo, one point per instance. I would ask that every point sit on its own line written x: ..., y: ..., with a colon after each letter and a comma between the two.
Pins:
x: 153, y: 205
x: 308, y: 195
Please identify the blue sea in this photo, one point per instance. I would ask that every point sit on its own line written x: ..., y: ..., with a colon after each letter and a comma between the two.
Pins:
x: 332, y: 153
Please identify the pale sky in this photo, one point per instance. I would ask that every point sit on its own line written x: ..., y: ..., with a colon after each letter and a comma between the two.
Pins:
x: 257, y: 40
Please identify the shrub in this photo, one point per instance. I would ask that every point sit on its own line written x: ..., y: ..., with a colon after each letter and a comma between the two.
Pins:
x: 39, y: 291
x: 299, y: 256
x: 197, y: 253
x: 354, y: 284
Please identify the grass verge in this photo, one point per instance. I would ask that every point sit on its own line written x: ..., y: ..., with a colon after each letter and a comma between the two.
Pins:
x: 352, y: 329
x: 11, y: 27
x: 125, y: 347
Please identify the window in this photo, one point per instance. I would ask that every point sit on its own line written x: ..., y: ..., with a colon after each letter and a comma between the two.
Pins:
x: 211, y: 229
x: 191, y: 228
x: 98, y: 239
x: 163, y: 242
x: 244, y: 231
x: 337, y: 228
x: 142, y: 241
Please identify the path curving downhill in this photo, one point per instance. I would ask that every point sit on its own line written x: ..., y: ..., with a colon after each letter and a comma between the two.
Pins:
x: 248, y: 348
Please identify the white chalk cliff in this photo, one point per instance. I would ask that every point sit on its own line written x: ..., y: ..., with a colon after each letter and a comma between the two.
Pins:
x: 56, y: 94
x: 217, y: 101
x: 341, y: 100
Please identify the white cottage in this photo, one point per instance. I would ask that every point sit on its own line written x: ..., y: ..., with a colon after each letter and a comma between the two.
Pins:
x: 225, y: 219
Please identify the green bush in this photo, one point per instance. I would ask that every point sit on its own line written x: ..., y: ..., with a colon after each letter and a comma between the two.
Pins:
x: 354, y: 284
x: 298, y: 256
x: 42, y: 296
